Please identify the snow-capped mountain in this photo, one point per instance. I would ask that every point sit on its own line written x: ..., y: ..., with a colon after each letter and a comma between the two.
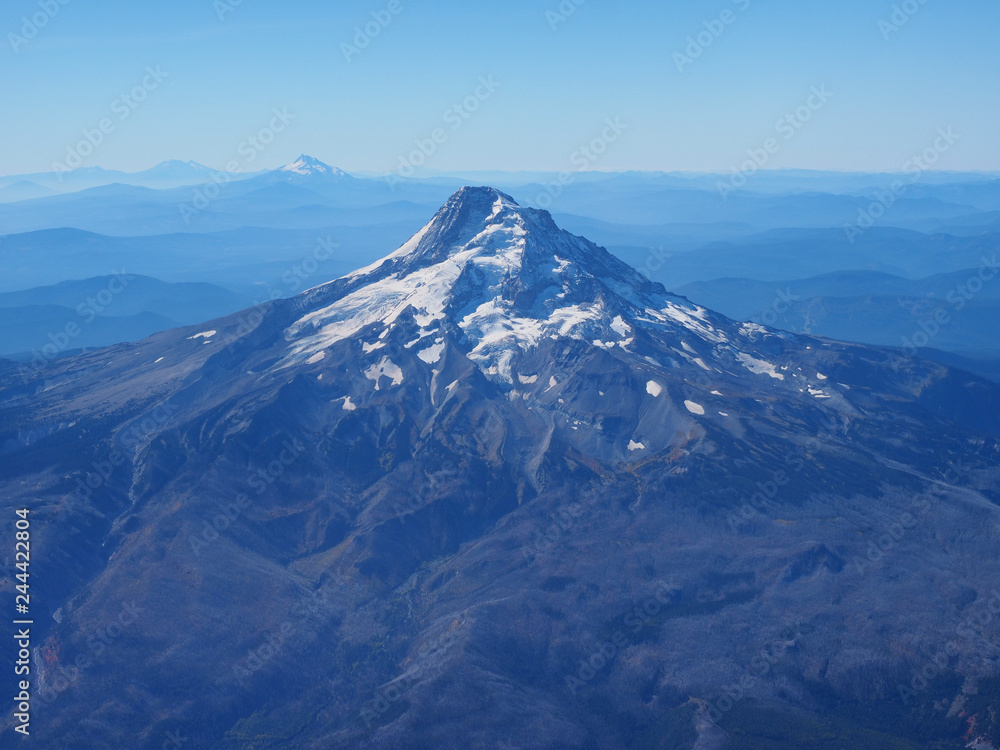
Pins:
x: 307, y: 173
x: 177, y: 170
x: 503, y: 287
x: 499, y: 486
x: 307, y: 165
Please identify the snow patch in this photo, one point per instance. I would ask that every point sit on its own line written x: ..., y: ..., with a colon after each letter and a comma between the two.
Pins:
x: 317, y: 357
x: 653, y: 388
x: 348, y: 406
x: 634, y: 446
x: 159, y: 360
x: 620, y: 327
x: 759, y: 366
x: 369, y: 348
x: 203, y: 335
x: 387, y: 368
x: 821, y: 376
x: 527, y: 379
x: 432, y: 354
x: 694, y: 408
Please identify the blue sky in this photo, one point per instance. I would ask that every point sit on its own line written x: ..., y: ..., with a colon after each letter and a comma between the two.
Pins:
x: 557, y: 86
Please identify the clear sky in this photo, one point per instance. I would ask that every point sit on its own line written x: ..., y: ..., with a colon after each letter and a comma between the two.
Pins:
x: 559, y: 81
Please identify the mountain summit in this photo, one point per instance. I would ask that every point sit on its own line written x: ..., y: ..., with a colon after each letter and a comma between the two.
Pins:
x: 499, y: 278
x: 499, y: 486
x: 307, y: 165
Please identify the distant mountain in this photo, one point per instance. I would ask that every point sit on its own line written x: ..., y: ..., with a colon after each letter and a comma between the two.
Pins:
x: 780, y: 254
x: 171, y: 173
x: 23, y: 190
x: 743, y: 299
x: 107, y: 310
x: 254, y: 261
x: 311, y: 173
x: 869, y: 307
x: 307, y: 166
x: 174, y: 170
x: 498, y: 489
x: 134, y: 293
x: 269, y: 201
x: 40, y: 333
x: 989, y: 369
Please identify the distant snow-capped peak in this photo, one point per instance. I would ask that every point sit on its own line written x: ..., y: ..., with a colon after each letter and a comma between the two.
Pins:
x: 307, y: 165
x: 178, y: 166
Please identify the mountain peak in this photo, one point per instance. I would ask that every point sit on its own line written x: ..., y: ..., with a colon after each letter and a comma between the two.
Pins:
x: 478, y: 195
x: 501, y: 278
x: 180, y: 163
x: 309, y: 165
x: 175, y: 168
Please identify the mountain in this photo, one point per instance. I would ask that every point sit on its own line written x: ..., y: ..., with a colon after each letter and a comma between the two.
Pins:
x: 175, y: 170
x: 23, y: 190
x: 40, y: 333
x: 166, y: 174
x: 498, y: 489
x: 780, y: 254
x: 272, y: 200
x: 311, y: 173
x: 307, y: 166
x: 106, y: 310
x: 255, y: 261
x: 868, y: 307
